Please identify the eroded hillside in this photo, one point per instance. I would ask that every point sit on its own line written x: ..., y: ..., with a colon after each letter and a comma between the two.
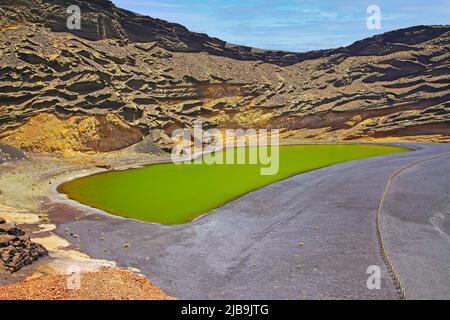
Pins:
x: 150, y: 76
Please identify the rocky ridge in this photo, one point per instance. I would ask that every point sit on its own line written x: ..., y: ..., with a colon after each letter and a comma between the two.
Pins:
x: 155, y: 77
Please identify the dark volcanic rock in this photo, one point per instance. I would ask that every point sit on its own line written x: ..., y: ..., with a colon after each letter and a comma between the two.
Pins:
x: 8, y: 229
x: 17, y: 250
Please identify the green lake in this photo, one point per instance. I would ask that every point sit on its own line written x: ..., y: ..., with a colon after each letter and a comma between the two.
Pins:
x: 171, y: 193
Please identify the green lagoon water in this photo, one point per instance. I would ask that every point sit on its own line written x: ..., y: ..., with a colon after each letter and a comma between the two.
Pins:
x: 178, y: 193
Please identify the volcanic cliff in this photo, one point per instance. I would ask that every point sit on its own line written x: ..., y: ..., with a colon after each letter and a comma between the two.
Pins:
x: 125, y: 76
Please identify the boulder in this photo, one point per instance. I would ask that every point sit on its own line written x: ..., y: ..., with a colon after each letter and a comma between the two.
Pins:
x: 17, y: 250
x: 20, y: 252
x: 5, y: 239
x: 9, y: 229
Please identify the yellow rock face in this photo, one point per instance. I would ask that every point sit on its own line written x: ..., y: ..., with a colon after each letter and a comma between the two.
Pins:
x: 47, y: 132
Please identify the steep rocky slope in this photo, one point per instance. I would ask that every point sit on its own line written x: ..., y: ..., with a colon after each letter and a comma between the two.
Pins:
x: 152, y: 76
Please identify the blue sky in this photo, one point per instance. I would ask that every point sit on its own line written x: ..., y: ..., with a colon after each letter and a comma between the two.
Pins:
x: 294, y: 25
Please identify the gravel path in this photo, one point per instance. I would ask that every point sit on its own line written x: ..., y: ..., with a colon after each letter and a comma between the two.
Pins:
x: 312, y: 236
